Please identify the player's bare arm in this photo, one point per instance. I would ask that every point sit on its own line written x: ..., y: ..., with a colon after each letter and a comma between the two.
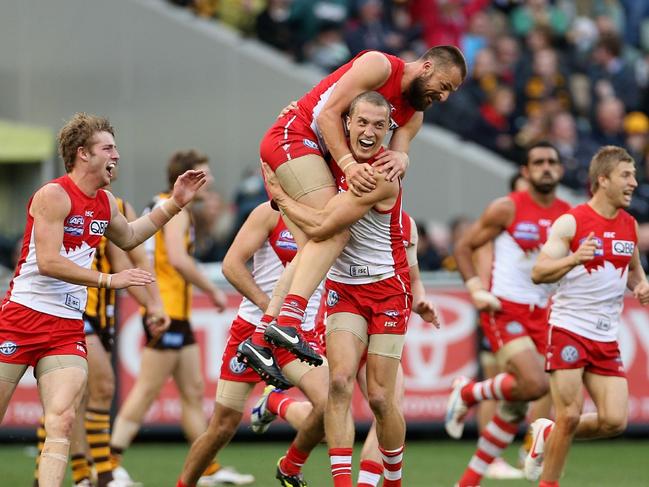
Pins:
x: 174, y: 238
x: 50, y: 206
x: 637, y: 279
x: 495, y: 219
x: 367, y: 73
x: 127, y: 235
x: 395, y: 161
x: 252, y: 235
x: 555, y: 260
x: 340, y: 212
x: 420, y: 304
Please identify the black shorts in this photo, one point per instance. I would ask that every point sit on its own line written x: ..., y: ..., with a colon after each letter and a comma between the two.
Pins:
x: 92, y: 326
x: 178, y: 335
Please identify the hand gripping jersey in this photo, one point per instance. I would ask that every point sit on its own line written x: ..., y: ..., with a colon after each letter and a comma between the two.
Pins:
x: 83, y: 229
x: 311, y: 104
x: 175, y: 291
x: 516, y: 249
x: 375, y: 250
x: 589, y: 299
x: 267, y: 266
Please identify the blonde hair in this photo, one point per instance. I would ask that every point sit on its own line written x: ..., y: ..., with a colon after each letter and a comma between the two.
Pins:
x: 604, y: 162
x: 79, y: 132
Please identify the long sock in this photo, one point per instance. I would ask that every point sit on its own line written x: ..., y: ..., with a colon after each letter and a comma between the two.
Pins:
x: 278, y: 403
x: 54, y: 459
x: 496, y: 436
x: 80, y: 467
x: 40, y: 436
x: 293, y: 461
x: 115, y: 456
x: 212, y: 468
x: 258, y: 334
x: 548, y: 483
x: 499, y: 387
x: 392, y: 463
x: 293, y: 311
x: 369, y: 474
x: 98, y: 436
x: 182, y: 484
x: 341, y: 466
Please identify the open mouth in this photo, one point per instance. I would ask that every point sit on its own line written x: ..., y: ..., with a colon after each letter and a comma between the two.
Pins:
x: 109, y: 169
x: 366, y: 143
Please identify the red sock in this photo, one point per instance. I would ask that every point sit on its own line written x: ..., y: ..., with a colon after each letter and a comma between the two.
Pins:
x: 258, y: 335
x: 278, y: 403
x: 293, y: 311
x: 548, y: 483
x: 182, y: 484
x: 369, y: 474
x: 341, y: 466
x: 392, y: 463
x: 293, y: 461
x: 499, y: 387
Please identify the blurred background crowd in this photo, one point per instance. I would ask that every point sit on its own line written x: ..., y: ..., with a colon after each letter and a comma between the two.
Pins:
x: 574, y: 72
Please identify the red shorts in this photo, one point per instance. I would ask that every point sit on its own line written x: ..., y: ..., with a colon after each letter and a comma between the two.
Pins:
x: 385, y: 304
x: 567, y: 350
x: 514, y: 321
x: 241, y: 330
x: 27, y: 335
x: 288, y: 138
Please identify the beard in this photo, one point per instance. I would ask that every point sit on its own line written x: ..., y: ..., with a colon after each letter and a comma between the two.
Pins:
x: 544, y: 187
x: 416, y: 94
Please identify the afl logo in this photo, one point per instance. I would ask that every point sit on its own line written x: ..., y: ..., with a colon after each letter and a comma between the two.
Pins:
x: 286, y: 234
x: 237, y: 367
x: 8, y: 348
x: 332, y: 298
x: 569, y: 354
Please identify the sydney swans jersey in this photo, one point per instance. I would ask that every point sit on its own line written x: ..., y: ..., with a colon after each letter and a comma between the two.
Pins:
x: 267, y: 266
x: 516, y: 249
x: 83, y: 229
x: 311, y: 104
x: 590, y: 297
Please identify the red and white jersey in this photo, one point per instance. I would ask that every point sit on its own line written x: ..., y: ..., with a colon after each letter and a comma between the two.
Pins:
x: 267, y: 266
x: 311, y: 104
x: 516, y: 249
x: 83, y: 228
x: 589, y: 299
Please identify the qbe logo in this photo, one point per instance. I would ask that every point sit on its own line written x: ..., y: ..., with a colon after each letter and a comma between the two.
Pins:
x: 8, y: 348
x: 623, y: 247
x: 98, y: 227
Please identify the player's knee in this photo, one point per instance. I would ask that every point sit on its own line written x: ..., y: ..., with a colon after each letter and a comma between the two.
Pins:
x: 569, y: 419
x: 341, y: 383
x: 613, y: 425
x: 103, y: 392
x: 534, y: 387
x: 380, y: 400
x: 225, y: 424
x: 59, y: 425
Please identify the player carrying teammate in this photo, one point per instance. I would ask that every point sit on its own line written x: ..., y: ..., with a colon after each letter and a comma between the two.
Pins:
x: 517, y: 319
x: 592, y: 252
x: 40, y: 317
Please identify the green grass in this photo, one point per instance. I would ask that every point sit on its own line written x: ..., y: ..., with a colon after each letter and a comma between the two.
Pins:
x: 623, y: 463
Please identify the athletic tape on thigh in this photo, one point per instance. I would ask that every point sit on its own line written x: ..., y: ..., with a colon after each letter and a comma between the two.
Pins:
x: 55, y: 362
x: 350, y: 322
x: 12, y: 373
x: 296, y: 369
x: 233, y: 394
x: 386, y: 345
x: 304, y: 175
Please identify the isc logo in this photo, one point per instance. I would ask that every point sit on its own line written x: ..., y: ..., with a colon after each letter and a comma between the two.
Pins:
x: 98, y: 227
x: 623, y: 247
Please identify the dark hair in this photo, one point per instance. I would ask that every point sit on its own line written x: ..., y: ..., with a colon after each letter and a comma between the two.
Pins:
x: 182, y: 161
x: 543, y: 144
x: 513, y: 179
x: 447, y: 56
x: 611, y: 43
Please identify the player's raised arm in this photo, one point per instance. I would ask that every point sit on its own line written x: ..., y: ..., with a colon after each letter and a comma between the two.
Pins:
x: 555, y: 260
x: 491, y: 223
x: 127, y: 235
x: 251, y: 236
x: 637, y: 279
x: 395, y: 161
x: 340, y: 212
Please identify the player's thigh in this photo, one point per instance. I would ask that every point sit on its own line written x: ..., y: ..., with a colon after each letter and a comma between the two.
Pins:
x: 156, y: 367
x: 61, y: 389
x: 566, y: 388
x: 101, y: 377
x: 10, y: 375
x: 188, y: 374
x: 520, y: 358
x: 346, y: 341
x: 382, y: 374
x: 308, y: 180
x: 610, y: 395
x: 232, y: 395
x: 313, y: 383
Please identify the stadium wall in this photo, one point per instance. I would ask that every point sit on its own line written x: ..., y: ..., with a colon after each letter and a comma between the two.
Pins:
x: 169, y: 80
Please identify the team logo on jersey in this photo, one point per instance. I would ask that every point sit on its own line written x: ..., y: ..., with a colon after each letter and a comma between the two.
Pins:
x: 73, y: 302
x: 8, y: 348
x: 74, y: 225
x: 332, y: 298
x: 286, y: 241
x: 623, y: 247
x: 237, y: 367
x: 98, y: 227
x: 599, y: 250
x: 569, y: 354
x: 514, y: 328
x: 310, y: 144
x: 392, y: 313
x: 526, y: 231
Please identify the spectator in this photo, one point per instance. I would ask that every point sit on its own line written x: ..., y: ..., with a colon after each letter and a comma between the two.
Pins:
x: 458, y: 227
x: 493, y: 127
x: 427, y: 256
x: 273, y: 25
x: 539, y: 13
x: 372, y: 31
x: 328, y: 50
x: 609, y: 126
x: 207, y: 212
x: 546, y: 89
x: 445, y: 21
x: 308, y: 17
x: 508, y: 55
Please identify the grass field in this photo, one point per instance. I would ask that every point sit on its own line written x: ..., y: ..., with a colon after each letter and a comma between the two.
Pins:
x: 619, y: 463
